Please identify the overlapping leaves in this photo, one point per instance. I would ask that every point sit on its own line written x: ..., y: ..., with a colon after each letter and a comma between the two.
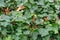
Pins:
x: 36, y: 22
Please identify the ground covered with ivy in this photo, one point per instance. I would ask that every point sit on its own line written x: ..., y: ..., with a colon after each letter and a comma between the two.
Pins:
x: 29, y: 19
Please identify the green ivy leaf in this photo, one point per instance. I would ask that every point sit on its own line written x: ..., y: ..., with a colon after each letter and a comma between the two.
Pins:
x: 43, y: 32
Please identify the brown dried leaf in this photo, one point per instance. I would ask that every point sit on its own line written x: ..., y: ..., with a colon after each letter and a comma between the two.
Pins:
x: 20, y: 8
x: 6, y: 11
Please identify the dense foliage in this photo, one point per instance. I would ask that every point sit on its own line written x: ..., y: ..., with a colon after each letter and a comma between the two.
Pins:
x: 35, y: 21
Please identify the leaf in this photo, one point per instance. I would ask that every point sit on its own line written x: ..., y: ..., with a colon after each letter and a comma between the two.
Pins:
x: 27, y: 14
x: 43, y: 32
x: 4, y: 32
x: 26, y: 32
x: 24, y: 37
x: 41, y: 2
x: 51, y: 0
x: 57, y: 6
x: 2, y: 4
x: 5, y: 24
x: 17, y: 38
x: 38, y: 21
x: 20, y: 8
x: 8, y: 38
x: 34, y: 35
x: 5, y: 18
x: 19, y: 31
x: 46, y: 37
x: 58, y: 22
x: 31, y: 1
x: 55, y: 29
x: 58, y: 37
